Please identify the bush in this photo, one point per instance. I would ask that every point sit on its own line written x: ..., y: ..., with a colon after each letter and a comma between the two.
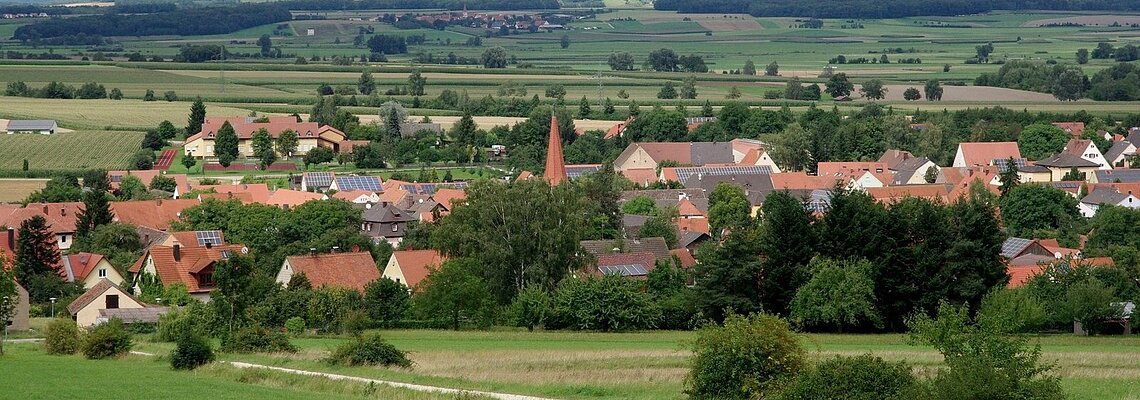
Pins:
x: 529, y: 307
x: 192, y: 319
x: 192, y: 352
x: 295, y: 326
x: 747, y: 357
x: 109, y: 339
x: 255, y: 339
x: 355, y: 321
x: 851, y: 378
x: 610, y: 303
x: 369, y: 350
x: 1022, y: 310
x: 61, y: 337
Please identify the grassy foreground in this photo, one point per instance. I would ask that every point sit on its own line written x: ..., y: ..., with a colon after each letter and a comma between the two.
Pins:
x: 653, y: 365
x: 27, y: 372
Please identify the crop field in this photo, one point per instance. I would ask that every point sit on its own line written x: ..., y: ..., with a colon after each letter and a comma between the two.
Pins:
x: 16, y: 190
x: 72, y: 150
x: 653, y: 365
x: 27, y: 370
x: 106, y: 114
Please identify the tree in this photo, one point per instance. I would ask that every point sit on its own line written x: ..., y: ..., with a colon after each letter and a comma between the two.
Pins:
x: 840, y: 294
x: 495, y: 57
x: 197, y: 115
x: 36, y: 259
x: 640, y: 205
x: 790, y: 149
x: 262, y: 145
x: 931, y: 175
x: 266, y: 45
x: 149, y: 96
x: 96, y: 211
x: 152, y: 140
x: 749, y: 68
x: 728, y: 208
x: 733, y: 93
x: 745, y: 358
x: 1090, y: 303
x: 838, y: 85
x: 387, y: 302
x: 873, y: 89
x: 132, y: 188
x: 584, y: 108
x: 728, y: 276
x: 143, y: 159
x: 787, y: 240
x: 170, y: 95
x: 663, y: 60
x: 608, y: 107
x: 772, y: 69
x: 318, y: 155
x: 9, y: 297
x: 530, y: 307
x: 366, y: 84
x: 932, y: 90
x: 115, y: 94
x: 166, y: 130
x: 1069, y: 85
x: 226, y: 145
x: 662, y: 226
x: 733, y: 115
x: 1041, y: 140
x: 621, y: 305
x: 621, y: 61
x: 667, y: 91
x: 1028, y: 208
x: 188, y: 162
x: 416, y: 83
x: 565, y: 42
x: 984, y: 51
x: 912, y: 94
x: 1082, y: 56
x: 456, y: 292
x: 286, y: 143
x: 556, y: 91
x: 163, y: 183
x: 689, y: 88
x: 388, y: 44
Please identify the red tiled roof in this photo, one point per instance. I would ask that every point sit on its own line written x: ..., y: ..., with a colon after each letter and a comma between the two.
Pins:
x: 243, y: 197
x: 259, y: 192
x: 686, y: 259
x: 692, y: 224
x: 686, y: 208
x: 555, y: 171
x: 416, y: 264
x: 245, y: 127
x: 192, y: 260
x: 81, y: 264
x: 801, y: 180
x: 292, y: 198
x: 1076, y: 129
x: 60, y: 216
x: 155, y: 214
x: 645, y: 259
x: 145, y: 176
x: 618, y: 128
x: 1019, y: 275
x: 448, y: 197
x: 353, y: 270
x: 891, y: 194
x: 1076, y: 147
x: 984, y: 153
x: 641, y: 176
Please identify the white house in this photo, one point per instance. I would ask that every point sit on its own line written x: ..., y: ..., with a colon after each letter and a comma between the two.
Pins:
x: 1106, y: 195
x: 1119, y: 153
x: 1088, y: 151
x: 91, y: 307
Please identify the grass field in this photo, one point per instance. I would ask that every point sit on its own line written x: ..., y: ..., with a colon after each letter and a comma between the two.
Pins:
x: 105, y: 114
x: 25, y: 370
x: 653, y: 365
x: 72, y: 150
x: 15, y: 190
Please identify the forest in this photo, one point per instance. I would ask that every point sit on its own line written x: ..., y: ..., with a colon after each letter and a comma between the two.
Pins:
x: 882, y: 8
x: 503, y: 5
x: 219, y: 20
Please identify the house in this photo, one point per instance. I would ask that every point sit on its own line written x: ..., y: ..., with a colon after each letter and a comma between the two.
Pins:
x: 1106, y: 195
x: 1061, y: 164
x: 1074, y: 129
x: 1117, y: 176
x: 618, y: 129
x: 60, y: 218
x: 350, y: 270
x: 192, y: 266
x: 692, y: 241
x: 1118, y: 154
x: 157, y: 214
x: 650, y: 155
x: 1088, y: 151
x: 1015, y: 247
x: 88, y: 269
x: 857, y: 175
x: 410, y: 267
x: 317, y: 181
x: 641, y: 176
x: 354, y: 182
x: 386, y: 223
x: 357, y: 196
x: 627, y: 265
x: 908, y: 169
x: 972, y: 154
x: 309, y: 135
x: 288, y: 198
x: 107, y: 300
x: 1026, y: 172
x: 756, y: 187
x: 759, y: 157
x: 41, y: 126
x: 144, y: 176
x: 652, y: 245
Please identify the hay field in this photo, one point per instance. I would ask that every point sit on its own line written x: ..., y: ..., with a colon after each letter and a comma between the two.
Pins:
x: 16, y: 190
x: 101, y: 114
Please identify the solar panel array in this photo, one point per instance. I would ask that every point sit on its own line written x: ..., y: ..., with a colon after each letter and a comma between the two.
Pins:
x: 213, y: 238
x: 1001, y: 163
x: 369, y: 183
x: 573, y: 172
x: 1013, y: 245
x: 684, y: 173
x: 431, y: 188
x: 319, y: 179
x: 623, y: 270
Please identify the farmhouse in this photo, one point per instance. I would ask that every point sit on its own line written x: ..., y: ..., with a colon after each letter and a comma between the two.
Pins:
x: 651, y: 155
x: 41, y: 126
x: 60, y: 218
x: 310, y: 135
x: 352, y: 270
x: 192, y: 266
x: 107, y: 300
x: 410, y: 267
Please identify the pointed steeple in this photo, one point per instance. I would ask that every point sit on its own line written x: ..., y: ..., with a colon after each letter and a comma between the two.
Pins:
x: 555, y: 163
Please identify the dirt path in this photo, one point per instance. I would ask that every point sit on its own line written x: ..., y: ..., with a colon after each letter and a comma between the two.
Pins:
x: 411, y: 386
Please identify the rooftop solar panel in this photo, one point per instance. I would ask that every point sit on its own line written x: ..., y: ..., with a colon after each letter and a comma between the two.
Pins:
x: 1013, y: 245
x: 319, y: 179
x: 212, y: 238
x: 684, y: 173
x: 369, y: 183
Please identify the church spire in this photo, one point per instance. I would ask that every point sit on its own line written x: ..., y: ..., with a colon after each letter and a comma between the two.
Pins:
x: 555, y: 163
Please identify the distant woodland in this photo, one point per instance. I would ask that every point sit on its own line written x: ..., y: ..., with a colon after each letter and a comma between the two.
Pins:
x: 206, y: 21
x: 882, y: 8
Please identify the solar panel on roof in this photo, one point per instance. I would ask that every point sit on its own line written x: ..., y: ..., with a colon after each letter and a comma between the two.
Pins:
x: 684, y: 173
x: 212, y: 238
x: 623, y: 270
x: 369, y: 183
x: 1001, y: 163
x: 319, y: 179
x: 1012, y: 246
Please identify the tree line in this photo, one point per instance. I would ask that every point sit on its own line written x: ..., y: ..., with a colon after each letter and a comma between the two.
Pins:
x: 879, y: 8
x: 505, y: 5
x: 214, y: 20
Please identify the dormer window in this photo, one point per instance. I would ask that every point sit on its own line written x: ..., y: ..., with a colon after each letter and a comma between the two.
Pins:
x: 210, y: 135
x: 309, y: 133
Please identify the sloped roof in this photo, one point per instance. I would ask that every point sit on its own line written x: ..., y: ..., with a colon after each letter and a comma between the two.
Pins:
x: 1104, y: 195
x: 1019, y: 275
x: 352, y: 195
x: 640, y: 261
x: 145, y: 315
x: 60, y: 216
x: 449, y: 197
x: 801, y: 180
x: 31, y: 125
x: 292, y: 198
x: 156, y: 214
x: 1065, y: 160
x: 685, y: 258
x: 983, y: 153
x: 245, y: 127
x: 641, y: 176
x: 555, y: 171
x: 692, y: 225
x: 94, y: 293
x: 689, y: 237
x: 243, y: 197
x: 893, y: 157
x: 77, y: 266
x: 654, y: 245
x: 1119, y: 149
x: 1122, y: 175
x: 192, y: 260
x: 145, y: 176
x: 1076, y: 129
x: 1077, y: 147
x: 417, y: 264
x: 692, y: 153
x: 352, y: 270
x: 892, y: 194
x: 387, y: 213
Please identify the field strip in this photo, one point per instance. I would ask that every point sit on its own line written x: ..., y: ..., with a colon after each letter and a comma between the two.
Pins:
x: 412, y: 386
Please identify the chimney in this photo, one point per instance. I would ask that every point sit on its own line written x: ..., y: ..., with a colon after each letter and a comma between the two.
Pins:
x: 146, y: 238
x: 209, y: 244
x: 12, y: 238
x: 158, y: 202
x: 177, y: 252
x: 313, y: 251
x: 62, y: 211
x: 45, y: 209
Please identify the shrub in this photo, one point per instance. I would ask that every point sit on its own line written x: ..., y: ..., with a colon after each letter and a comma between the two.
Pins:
x: 295, y: 326
x: 610, y: 303
x: 192, y: 319
x: 109, y: 339
x: 369, y: 350
x: 747, y: 357
x: 191, y: 352
x: 256, y: 339
x: 851, y: 378
x: 530, y: 307
x: 355, y: 321
x: 1022, y: 310
x: 61, y: 337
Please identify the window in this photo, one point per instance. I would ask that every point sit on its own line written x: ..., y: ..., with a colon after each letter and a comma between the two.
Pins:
x: 102, y: 272
x: 112, y: 301
x: 210, y: 135
x: 63, y: 238
x: 206, y: 280
x: 395, y: 227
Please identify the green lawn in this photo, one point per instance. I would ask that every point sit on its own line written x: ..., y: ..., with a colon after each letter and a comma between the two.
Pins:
x: 28, y: 373
x: 653, y: 365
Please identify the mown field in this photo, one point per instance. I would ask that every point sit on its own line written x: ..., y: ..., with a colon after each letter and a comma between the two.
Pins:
x: 71, y: 151
x: 653, y: 365
x: 135, y: 115
x: 26, y: 372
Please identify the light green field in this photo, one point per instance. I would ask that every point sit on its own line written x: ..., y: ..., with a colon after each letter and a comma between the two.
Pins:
x: 106, y: 114
x: 27, y: 373
x: 71, y: 150
x: 653, y: 365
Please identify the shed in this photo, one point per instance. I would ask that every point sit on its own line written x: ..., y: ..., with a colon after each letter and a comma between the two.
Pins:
x: 42, y: 126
